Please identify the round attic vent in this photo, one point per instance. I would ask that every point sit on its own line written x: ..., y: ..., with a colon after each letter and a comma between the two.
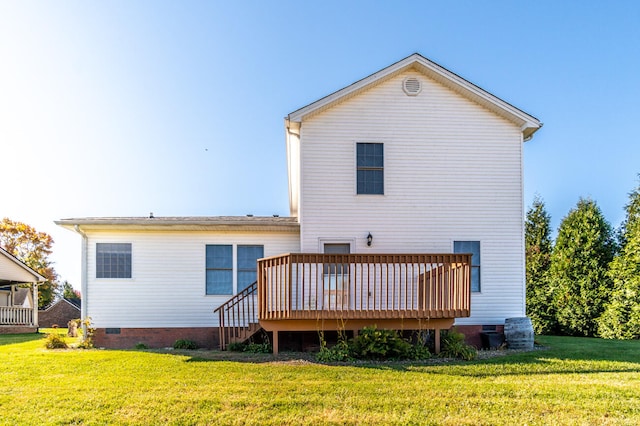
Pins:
x: 411, y: 86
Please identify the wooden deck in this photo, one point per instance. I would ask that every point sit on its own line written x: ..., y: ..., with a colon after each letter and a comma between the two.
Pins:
x: 310, y: 291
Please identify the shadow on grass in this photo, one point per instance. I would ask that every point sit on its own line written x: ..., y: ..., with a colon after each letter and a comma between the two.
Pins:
x: 10, y: 339
x: 560, y: 355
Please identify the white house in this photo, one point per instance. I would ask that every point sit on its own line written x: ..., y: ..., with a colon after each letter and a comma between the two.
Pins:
x: 18, y: 295
x: 406, y: 201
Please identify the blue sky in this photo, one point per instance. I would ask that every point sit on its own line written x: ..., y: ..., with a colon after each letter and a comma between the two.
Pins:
x: 122, y: 108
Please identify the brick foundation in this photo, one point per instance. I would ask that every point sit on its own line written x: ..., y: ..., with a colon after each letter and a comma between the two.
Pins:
x: 207, y: 337
x: 127, y: 338
x: 472, y: 333
x: 17, y: 329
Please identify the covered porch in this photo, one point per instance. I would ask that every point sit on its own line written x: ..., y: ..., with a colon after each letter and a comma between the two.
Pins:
x: 312, y: 291
x: 18, y: 295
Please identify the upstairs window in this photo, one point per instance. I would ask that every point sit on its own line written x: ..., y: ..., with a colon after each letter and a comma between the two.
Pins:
x: 370, y: 168
x: 113, y: 260
x: 219, y: 269
x: 472, y: 247
x: 248, y: 264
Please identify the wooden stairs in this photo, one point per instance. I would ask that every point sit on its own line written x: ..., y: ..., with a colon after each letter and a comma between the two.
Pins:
x: 238, y: 317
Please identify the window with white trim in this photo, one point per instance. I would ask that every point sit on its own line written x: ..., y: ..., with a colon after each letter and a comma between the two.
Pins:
x: 219, y: 269
x: 369, y: 168
x: 113, y: 260
x: 472, y: 247
x: 248, y: 265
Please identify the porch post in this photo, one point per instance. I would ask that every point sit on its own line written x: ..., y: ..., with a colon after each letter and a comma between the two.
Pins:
x: 275, y: 342
x: 437, y: 341
x: 35, y: 305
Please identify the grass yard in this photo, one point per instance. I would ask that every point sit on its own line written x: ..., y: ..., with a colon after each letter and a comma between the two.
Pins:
x: 573, y: 381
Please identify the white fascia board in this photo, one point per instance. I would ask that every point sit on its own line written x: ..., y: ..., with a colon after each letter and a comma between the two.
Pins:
x: 37, y: 277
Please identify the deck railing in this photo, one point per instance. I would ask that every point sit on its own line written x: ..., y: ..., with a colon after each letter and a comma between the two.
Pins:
x: 238, y: 316
x: 328, y: 286
x: 14, y: 315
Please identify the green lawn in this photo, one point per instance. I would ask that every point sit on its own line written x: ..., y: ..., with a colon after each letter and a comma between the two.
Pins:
x: 574, y: 381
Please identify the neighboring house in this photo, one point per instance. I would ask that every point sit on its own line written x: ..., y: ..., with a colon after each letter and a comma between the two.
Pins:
x: 406, y: 202
x: 60, y: 313
x: 18, y: 304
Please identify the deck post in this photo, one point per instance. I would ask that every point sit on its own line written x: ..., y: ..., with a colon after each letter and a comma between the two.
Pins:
x: 275, y: 342
x: 437, y: 341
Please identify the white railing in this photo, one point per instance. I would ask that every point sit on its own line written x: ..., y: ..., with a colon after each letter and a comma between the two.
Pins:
x: 11, y: 315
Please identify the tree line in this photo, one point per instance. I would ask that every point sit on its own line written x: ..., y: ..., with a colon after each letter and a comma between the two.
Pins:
x: 587, y: 281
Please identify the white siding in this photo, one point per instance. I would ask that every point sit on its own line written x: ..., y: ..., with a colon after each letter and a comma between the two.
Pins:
x: 167, y: 288
x: 452, y: 171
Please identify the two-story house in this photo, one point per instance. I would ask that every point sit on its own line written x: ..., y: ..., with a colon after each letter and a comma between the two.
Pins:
x: 406, y: 202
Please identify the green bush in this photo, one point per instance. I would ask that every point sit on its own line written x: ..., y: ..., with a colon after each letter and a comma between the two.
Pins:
x: 185, y: 344
x: 373, y: 343
x: 140, y: 346
x: 258, y: 348
x: 453, y: 346
x: 55, y: 341
x: 338, y: 353
x: 236, y: 346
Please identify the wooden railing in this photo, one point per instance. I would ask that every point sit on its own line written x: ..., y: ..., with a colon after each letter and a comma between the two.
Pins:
x: 363, y: 286
x: 238, y: 317
x: 13, y: 315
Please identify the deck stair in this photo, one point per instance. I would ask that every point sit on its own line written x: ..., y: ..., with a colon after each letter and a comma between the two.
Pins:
x: 238, y: 317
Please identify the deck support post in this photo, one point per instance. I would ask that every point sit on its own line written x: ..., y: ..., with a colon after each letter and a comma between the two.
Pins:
x: 437, y: 340
x: 275, y: 342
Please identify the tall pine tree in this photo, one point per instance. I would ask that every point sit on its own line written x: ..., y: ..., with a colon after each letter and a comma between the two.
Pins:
x: 538, y: 262
x: 621, y: 318
x: 579, y: 263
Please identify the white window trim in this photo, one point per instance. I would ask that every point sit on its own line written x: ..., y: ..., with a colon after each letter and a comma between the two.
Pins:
x: 95, y: 262
x: 355, y: 167
x: 325, y: 240
x: 481, y: 257
x: 234, y: 265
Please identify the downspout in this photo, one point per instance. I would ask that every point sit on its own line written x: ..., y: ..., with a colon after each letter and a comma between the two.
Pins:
x: 83, y: 279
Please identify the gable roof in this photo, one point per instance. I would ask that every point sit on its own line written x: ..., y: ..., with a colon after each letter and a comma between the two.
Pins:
x: 528, y: 123
x: 14, y: 271
x: 75, y: 303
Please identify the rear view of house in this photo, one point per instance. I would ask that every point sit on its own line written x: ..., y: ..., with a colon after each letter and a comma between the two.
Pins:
x: 406, y: 211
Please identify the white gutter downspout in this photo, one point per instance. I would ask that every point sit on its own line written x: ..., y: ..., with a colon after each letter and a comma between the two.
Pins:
x: 83, y: 279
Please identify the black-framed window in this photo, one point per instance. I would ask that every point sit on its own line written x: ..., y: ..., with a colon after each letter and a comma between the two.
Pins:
x: 370, y: 168
x: 472, y: 247
x: 113, y: 260
x: 219, y: 269
x: 248, y: 264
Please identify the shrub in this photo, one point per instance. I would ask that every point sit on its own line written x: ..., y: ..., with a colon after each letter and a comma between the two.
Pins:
x: 55, y: 341
x: 373, y: 343
x: 453, y: 346
x: 87, y: 341
x: 185, y: 344
x: 338, y: 353
x: 140, y: 346
x: 236, y: 346
x: 258, y: 348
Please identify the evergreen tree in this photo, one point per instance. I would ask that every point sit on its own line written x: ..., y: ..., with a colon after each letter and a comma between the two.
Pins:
x: 579, y: 264
x: 621, y: 318
x: 538, y: 261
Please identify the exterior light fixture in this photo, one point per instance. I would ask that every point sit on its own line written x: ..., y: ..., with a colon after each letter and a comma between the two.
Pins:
x: 369, y: 239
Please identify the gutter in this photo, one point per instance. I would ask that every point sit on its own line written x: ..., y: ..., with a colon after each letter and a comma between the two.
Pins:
x: 83, y: 278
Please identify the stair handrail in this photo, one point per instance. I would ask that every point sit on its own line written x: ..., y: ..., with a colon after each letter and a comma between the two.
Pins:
x: 237, y: 313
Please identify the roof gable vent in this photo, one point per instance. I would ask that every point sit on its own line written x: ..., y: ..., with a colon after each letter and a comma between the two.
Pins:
x: 411, y: 86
